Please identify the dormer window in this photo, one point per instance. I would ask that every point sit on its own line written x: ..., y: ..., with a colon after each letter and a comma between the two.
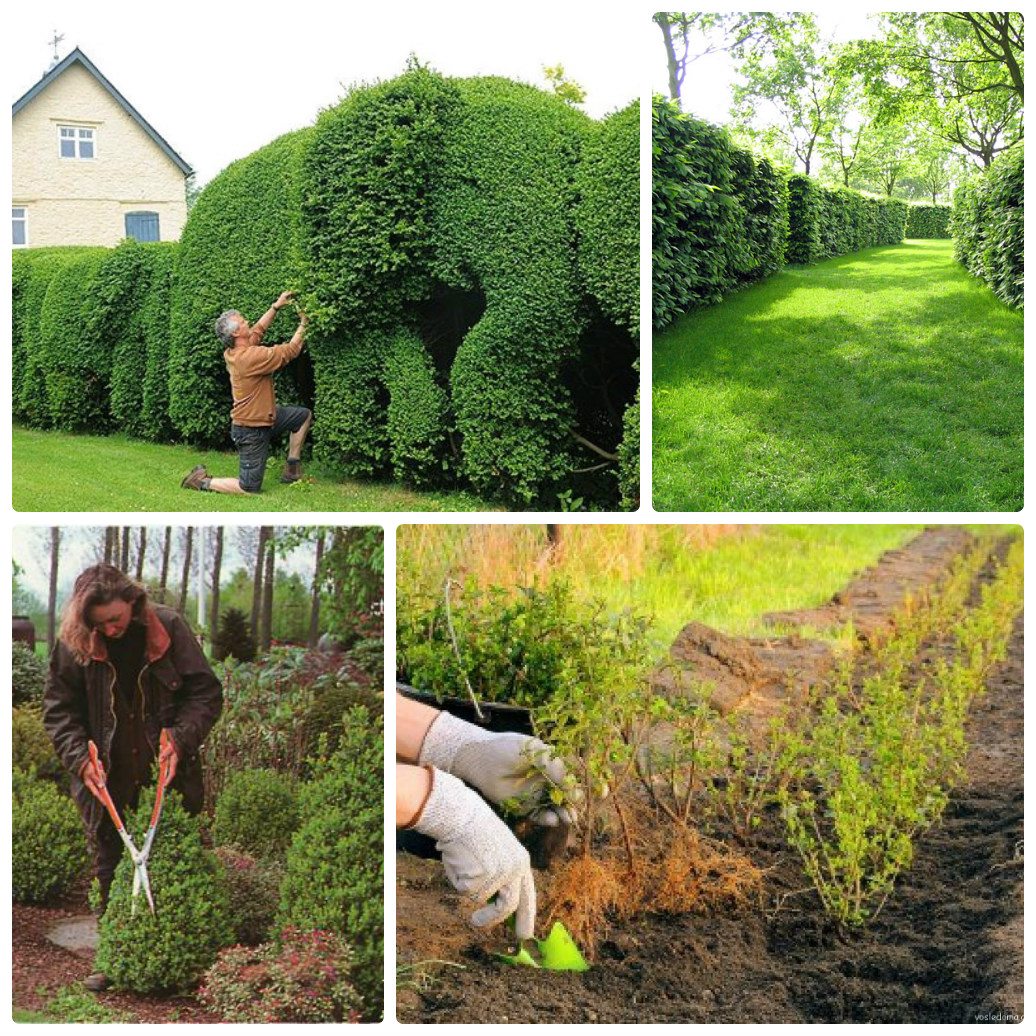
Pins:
x: 75, y: 142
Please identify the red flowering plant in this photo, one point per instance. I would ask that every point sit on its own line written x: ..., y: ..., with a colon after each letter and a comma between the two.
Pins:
x: 303, y: 977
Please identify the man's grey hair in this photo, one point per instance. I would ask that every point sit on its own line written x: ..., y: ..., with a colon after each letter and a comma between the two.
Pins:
x: 227, y: 324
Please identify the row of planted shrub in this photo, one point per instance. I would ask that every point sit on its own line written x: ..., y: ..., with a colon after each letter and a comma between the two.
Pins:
x: 721, y: 217
x: 929, y: 221
x: 989, y: 223
x: 468, y: 251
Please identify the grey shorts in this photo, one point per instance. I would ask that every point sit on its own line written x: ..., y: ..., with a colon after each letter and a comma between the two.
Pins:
x: 253, y: 444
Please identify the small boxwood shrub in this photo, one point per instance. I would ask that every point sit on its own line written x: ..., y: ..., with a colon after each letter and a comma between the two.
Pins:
x: 253, y: 886
x: 257, y: 812
x: 48, y: 846
x: 31, y: 747
x: 302, y: 977
x: 28, y: 674
x: 172, y: 948
x: 335, y: 874
x: 988, y: 226
x: 929, y: 221
x: 239, y: 250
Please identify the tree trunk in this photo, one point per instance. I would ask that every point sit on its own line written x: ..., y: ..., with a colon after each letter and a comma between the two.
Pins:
x: 662, y: 21
x: 52, y: 594
x: 163, y: 581
x: 124, y: 556
x: 314, y: 615
x: 111, y: 534
x: 267, y: 619
x: 257, y: 583
x: 217, y: 563
x: 141, y: 551
x: 185, y: 582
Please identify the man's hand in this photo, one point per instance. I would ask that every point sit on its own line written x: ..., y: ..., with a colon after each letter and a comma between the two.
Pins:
x: 93, y: 777
x: 284, y: 298
x: 513, y: 768
x: 169, y: 754
x: 481, y: 857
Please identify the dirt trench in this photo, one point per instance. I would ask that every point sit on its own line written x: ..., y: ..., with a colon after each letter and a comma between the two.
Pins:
x: 947, y: 947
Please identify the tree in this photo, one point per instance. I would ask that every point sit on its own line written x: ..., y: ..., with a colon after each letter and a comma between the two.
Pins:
x: 314, y: 619
x: 185, y: 581
x: 265, y: 634
x: 52, y: 593
x: 217, y: 566
x: 800, y: 76
x: 163, y: 580
x: 257, y: 580
x: 932, y: 167
x: 141, y: 550
x: 567, y: 89
x: 887, y: 155
x: 708, y: 34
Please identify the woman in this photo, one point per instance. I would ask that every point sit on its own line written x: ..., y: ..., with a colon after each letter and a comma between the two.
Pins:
x: 122, y: 671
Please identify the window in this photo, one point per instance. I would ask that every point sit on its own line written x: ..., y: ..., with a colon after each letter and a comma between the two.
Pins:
x: 19, y: 227
x: 142, y: 226
x: 75, y: 142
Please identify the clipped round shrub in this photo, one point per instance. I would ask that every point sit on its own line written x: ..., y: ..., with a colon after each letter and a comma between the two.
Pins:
x: 48, y: 846
x: 256, y: 812
x: 28, y: 674
x: 172, y: 948
x: 302, y: 977
x: 335, y: 868
x: 31, y: 747
x: 333, y: 695
x: 239, y: 249
x: 253, y: 886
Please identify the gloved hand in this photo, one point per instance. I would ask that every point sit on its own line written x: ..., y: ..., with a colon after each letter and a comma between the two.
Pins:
x: 512, y: 767
x: 481, y: 856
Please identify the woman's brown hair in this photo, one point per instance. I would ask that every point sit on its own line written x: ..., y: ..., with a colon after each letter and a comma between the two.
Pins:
x: 100, y: 584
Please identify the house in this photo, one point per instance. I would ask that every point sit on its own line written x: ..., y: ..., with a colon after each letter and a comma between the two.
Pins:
x: 88, y: 169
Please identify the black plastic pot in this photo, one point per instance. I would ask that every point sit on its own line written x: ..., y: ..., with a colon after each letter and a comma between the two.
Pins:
x: 543, y: 843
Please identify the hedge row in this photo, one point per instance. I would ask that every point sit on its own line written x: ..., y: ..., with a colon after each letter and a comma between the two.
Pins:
x: 988, y: 225
x: 467, y: 251
x: 929, y: 221
x: 721, y: 217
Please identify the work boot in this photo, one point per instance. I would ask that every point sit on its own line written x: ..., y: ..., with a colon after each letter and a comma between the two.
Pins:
x: 98, y: 982
x: 292, y: 471
x: 197, y: 479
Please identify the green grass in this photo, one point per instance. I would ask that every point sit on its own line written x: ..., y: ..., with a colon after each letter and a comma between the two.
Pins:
x: 54, y: 471
x: 887, y: 380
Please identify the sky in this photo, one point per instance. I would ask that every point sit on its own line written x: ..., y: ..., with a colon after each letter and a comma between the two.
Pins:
x: 220, y: 80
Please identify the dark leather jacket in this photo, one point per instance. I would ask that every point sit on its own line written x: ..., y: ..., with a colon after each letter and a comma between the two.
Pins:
x: 179, y: 691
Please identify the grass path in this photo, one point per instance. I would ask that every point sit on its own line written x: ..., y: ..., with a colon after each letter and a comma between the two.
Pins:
x: 54, y: 471
x: 887, y: 380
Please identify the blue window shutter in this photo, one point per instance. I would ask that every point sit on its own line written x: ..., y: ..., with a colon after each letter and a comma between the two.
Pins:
x: 142, y: 226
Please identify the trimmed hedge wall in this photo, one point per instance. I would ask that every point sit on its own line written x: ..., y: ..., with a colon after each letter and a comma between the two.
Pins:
x: 239, y: 249
x: 929, y: 221
x: 988, y: 225
x: 720, y: 217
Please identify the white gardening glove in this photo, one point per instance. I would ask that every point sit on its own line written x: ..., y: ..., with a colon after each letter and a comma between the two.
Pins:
x: 504, y: 767
x: 481, y: 856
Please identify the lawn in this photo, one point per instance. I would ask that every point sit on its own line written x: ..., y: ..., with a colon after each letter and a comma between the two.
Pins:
x: 54, y: 471
x: 887, y: 380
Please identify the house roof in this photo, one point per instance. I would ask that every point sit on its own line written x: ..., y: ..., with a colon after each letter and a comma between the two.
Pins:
x: 77, y: 56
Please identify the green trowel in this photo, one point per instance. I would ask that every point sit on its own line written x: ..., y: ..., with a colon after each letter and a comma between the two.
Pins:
x: 558, y: 952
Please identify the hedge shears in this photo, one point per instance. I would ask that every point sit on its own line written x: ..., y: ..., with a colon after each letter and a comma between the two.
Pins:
x: 139, y: 858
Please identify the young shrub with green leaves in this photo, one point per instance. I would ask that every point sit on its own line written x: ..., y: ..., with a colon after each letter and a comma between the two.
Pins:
x: 170, y: 949
x: 48, y: 846
x: 929, y: 221
x: 239, y: 250
x: 989, y: 223
x: 28, y: 674
x: 31, y: 747
x: 335, y: 879
x: 253, y: 886
x: 257, y: 812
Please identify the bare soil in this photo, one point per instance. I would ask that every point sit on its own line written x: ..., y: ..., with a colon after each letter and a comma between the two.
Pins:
x: 946, y: 948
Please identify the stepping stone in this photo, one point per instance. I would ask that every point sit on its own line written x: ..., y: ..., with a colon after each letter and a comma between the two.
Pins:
x: 78, y: 935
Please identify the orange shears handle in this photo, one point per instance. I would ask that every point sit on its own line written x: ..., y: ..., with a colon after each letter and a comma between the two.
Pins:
x: 105, y: 797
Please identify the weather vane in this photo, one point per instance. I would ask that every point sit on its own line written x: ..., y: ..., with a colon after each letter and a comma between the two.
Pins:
x: 55, y: 41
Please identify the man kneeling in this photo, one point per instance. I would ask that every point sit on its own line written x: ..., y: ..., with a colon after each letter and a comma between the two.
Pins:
x: 255, y: 417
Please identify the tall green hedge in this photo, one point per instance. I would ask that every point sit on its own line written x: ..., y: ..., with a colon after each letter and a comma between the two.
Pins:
x: 989, y: 223
x: 32, y: 270
x: 929, y: 221
x: 239, y: 250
